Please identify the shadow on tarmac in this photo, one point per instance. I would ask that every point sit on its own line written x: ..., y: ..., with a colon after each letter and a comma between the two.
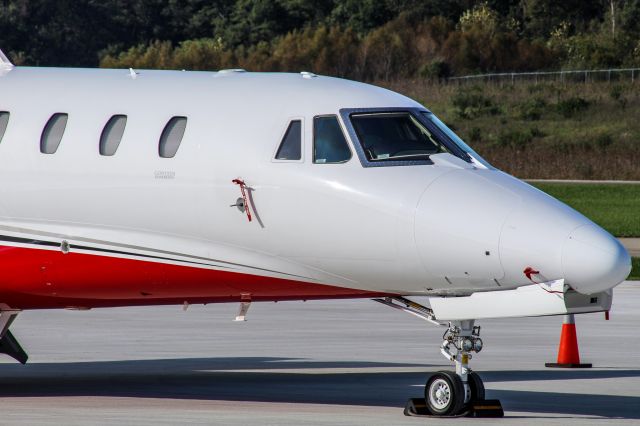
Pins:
x: 232, y: 379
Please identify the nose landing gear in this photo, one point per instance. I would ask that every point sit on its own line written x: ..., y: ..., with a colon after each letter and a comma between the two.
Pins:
x: 450, y: 394
x: 453, y: 394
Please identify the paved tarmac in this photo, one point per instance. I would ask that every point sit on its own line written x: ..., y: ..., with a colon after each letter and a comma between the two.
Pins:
x: 314, y: 363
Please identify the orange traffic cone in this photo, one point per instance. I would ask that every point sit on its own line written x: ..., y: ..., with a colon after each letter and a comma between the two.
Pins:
x: 568, y: 354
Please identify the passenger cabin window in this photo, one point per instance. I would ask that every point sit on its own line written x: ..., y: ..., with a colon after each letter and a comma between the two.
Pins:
x: 291, y: 145
x: 112, y: 134
x: 172, y: 136
x: 4, y: 121
x: 52, y: 133
x: 329, y: 143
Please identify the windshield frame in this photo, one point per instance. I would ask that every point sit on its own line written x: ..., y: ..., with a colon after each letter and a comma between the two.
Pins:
x: 475, y: 157
x: 418, y: 115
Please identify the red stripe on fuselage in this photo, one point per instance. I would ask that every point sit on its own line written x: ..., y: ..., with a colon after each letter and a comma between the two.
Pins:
x: 33, y: 278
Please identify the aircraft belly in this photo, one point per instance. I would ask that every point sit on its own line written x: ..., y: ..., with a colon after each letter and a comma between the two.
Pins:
x: 83, y: 280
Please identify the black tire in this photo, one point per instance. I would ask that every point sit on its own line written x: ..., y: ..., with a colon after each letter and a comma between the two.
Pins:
x: 444, y: 394
x: 475, y: 386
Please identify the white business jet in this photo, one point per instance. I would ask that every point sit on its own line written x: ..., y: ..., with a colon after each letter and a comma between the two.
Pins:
x: 135, y: 187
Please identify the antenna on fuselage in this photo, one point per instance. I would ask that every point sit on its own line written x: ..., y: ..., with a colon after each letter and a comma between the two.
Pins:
x: 5, y: 63
x: 133, y: 73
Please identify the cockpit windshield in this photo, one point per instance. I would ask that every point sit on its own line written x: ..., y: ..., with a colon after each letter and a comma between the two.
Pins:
x: 395, y: 136
x: 399, y: 137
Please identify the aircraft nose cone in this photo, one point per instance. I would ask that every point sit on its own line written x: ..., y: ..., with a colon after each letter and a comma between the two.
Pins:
x: 594, y: 261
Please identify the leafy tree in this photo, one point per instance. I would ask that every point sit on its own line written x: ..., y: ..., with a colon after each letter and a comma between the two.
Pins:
x: 540, y: 16
x: 365, y: 39
x: 361, y: 15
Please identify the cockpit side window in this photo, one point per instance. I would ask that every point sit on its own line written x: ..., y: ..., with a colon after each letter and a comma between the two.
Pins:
x: 329, y: 144
x: 291, y: 145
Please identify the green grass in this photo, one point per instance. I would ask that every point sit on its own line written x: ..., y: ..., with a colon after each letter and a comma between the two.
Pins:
x: 614, y: 207
x: 635, y: 269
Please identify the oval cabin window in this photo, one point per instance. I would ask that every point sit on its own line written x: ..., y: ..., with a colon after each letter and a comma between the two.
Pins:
x: 112, y: 134
x: 52, y: 133
x: 4, y: 122
x: 172, y: 136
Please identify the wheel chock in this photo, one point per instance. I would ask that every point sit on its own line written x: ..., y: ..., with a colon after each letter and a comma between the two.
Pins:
x: 489, y: 408
x: 416, y: 407
x: 486, y: 408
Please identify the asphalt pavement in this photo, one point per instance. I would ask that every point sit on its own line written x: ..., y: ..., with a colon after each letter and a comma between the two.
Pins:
x: 352, y: 362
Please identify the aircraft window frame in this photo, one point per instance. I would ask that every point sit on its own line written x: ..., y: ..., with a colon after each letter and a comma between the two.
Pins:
x: 344, y: 135
x: 112, y: 134
x: 451, y: 146
x: 5, y: 116
x: 168, y: 148
x: 281, y: 142
x: 53, y: 133
x: 476, y: 158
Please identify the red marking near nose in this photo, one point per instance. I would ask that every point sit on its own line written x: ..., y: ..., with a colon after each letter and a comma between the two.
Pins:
x: 528, y: 271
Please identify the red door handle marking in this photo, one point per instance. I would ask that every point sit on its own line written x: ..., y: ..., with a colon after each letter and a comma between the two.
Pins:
x: 243, y: 186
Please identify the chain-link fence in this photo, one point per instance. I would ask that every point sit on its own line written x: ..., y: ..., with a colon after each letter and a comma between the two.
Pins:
x: 573, y: 76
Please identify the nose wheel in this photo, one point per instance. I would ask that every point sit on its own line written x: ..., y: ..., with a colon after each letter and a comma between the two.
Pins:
x: 444, y: 394
x: 475, y: 386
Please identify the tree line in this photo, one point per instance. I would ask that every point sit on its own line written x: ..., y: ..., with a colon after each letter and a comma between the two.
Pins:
x: 361, y: 39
